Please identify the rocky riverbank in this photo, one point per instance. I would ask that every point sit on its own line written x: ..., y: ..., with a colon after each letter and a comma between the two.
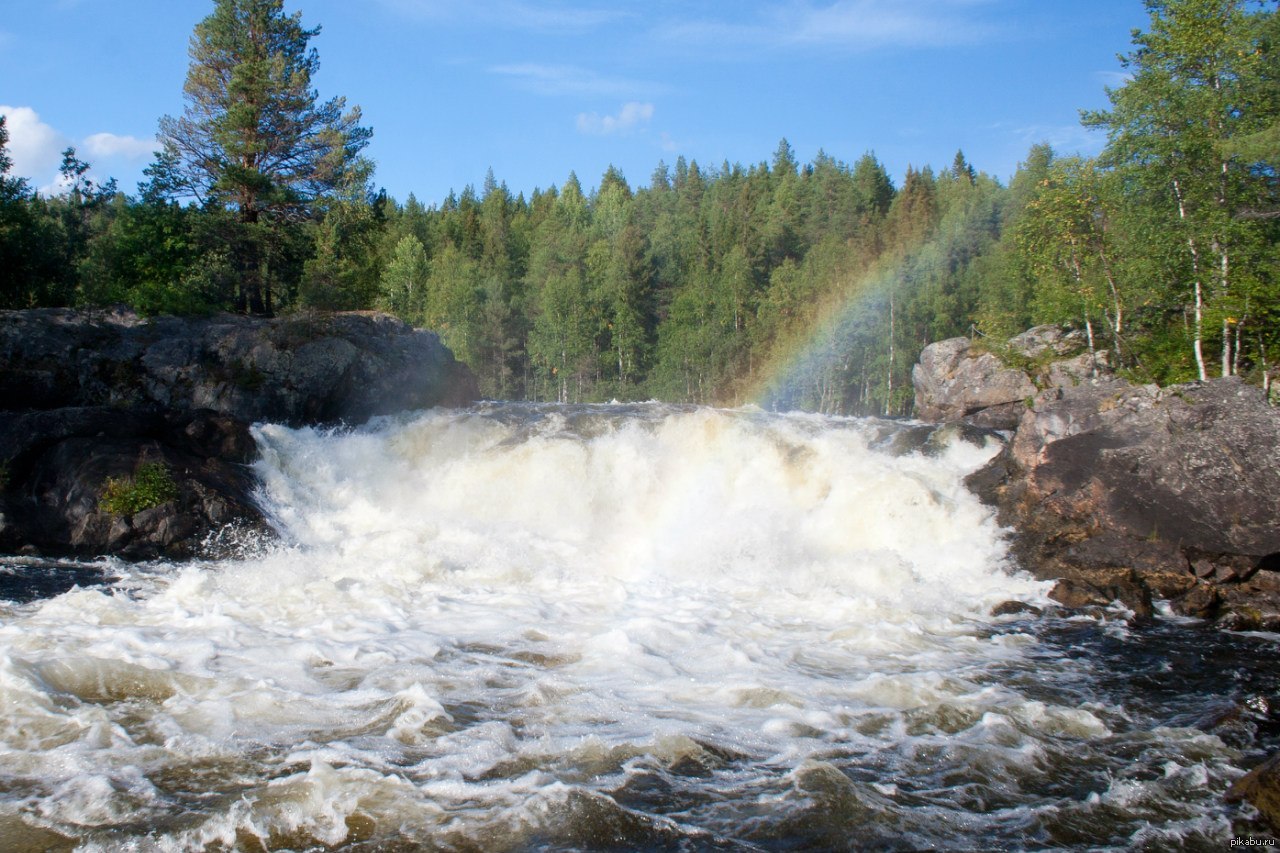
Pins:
x: 93, y: 397
x: 1118, y: 491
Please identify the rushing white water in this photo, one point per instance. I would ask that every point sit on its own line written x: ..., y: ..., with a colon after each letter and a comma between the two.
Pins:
x: 522, y: 627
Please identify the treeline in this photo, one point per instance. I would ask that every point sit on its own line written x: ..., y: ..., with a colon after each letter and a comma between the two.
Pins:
x: 793, y: 285
x: 693, y: 288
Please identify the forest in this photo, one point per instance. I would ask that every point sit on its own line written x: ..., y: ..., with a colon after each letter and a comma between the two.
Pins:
x: 791, y: 285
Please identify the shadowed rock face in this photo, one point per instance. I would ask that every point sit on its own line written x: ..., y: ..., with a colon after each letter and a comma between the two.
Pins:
x: 1128, y: 492
x: 1193, y: 465
x: 85, y: 396
x: 1181, y: 485
x: 291, y: 370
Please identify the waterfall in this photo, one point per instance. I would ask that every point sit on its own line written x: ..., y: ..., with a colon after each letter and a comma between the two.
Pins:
x: 523, y: 626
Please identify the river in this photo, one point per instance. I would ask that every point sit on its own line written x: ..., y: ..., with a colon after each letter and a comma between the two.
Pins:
x: 523, y: 627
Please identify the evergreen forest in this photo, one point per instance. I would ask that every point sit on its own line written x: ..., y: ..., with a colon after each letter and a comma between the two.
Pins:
x: 791, y: 285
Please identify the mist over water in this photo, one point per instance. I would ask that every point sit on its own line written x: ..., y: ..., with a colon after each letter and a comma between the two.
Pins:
x: 526, y: 627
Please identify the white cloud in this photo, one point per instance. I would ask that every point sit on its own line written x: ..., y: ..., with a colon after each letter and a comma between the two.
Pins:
x: 36, y: 148
x: 632, y: 116
x: 848, y: 24
x: 109, y: 146
x: 570, y: 80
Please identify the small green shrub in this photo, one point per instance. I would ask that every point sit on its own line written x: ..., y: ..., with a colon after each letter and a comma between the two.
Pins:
x: 150, y: 486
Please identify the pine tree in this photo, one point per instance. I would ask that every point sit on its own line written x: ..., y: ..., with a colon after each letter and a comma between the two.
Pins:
x: 253, y: 136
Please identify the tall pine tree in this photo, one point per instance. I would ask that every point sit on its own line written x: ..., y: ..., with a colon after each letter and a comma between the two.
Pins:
x: 253, y: 136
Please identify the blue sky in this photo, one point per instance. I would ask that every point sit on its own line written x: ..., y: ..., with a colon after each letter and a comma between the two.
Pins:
x: 535, y: 89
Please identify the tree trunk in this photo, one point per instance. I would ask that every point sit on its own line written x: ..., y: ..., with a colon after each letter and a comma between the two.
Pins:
x: 251, y: 299
x: 888, y: 394
x: 1093, y: 354
x: 1197, y: 342
x: 1224, y: 269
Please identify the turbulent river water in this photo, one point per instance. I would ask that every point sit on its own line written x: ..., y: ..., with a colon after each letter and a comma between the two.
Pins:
x: 526, y: 627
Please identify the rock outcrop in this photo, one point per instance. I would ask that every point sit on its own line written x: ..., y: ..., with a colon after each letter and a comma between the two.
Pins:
x: 962, y: 380
x: 91, y: 396
x: 1134, y: 493
x: 295, y: 370
x: 954, y: 382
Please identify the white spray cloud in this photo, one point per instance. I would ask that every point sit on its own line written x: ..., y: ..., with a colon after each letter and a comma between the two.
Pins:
x: 633, y: 115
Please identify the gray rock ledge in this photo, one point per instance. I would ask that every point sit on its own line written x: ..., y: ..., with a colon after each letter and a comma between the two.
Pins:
x: 91, y: 395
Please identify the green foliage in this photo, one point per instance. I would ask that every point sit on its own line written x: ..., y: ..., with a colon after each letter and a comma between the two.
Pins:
x: 254, y: 139
x: 794, y: 285
x: 150, y: 486
x: 404, y: 280
x: 1187, y: 136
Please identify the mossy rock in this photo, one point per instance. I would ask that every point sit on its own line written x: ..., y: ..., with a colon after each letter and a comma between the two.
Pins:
x: 150, y: 486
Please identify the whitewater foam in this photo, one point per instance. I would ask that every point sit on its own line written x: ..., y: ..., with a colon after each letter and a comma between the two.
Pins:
x: 520, y: 625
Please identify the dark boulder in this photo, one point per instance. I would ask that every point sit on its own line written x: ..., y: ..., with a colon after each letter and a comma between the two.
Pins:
x: 1260, y: 788
x: 1016, y: 608
x: 1193, y: 466
x: 1124, y: 492
x: 1180, y: 486
x: 92, y: 396
x: 295, y: 370
x: 61, y: 461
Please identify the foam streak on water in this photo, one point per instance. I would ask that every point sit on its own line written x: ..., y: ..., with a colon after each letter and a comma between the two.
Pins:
x: 522, y: 627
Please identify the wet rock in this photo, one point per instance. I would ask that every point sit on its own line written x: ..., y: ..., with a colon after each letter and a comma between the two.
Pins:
x: 1102, y: 587
x: 91, y: 395
x: 1167, y: 584
x: 1015, y: 608
x: 1200, y: 601
x: 1253, y: 605
x: 64, y: 458
x: 1260, y: 788
x: 1077, y: 594
x: 1178, y: 486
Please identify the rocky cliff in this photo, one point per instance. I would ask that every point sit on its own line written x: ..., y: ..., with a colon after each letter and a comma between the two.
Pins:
x: 1123, y: 492
x: 92, y: 397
